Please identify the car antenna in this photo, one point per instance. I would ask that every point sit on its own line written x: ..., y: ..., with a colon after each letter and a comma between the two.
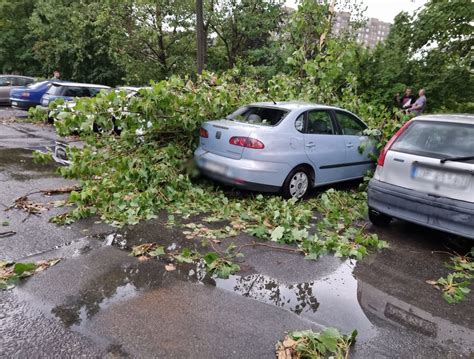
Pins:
x: 274, y: 102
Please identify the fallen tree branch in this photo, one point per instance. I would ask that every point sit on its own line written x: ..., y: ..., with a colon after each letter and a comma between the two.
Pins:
x: 255, y: 244
x: 68, y: 189
x: 7, y: 234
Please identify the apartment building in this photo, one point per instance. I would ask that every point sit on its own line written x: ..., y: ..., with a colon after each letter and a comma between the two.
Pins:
x: 373, y: 32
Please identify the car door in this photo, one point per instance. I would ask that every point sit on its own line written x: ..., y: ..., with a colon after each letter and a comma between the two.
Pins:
x: 358, y: 146
x: 324, y: 147
x: 5, y: 87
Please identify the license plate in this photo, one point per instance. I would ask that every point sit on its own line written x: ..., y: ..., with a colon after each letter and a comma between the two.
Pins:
x: 215, y: 167
x: 441, y: 177
x: 14, y: 103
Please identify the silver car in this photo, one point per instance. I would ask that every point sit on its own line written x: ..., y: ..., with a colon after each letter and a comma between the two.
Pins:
x: 7, y: 82
x: 425, y: 175
x: 286, y: 146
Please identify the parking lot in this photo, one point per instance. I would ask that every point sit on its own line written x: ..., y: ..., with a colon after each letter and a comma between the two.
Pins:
x: 100, y: 301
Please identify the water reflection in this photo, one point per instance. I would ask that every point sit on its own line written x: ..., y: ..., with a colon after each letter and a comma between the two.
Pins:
x: 295, y: 298
x: 331, y: 301
x: 375, y: 301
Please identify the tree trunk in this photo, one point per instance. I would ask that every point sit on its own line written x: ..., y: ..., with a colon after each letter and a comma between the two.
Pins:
x: 201, y: 39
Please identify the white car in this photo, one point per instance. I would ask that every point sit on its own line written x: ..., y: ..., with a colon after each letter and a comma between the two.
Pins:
x: 425, y: 175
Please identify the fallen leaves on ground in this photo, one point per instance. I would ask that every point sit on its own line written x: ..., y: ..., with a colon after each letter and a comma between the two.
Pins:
x: 28, y: 206
x: 147, y: 250
x: 12, y: 272
x: 316, y: 345
x: 170, y: 267
x: 455, y: 286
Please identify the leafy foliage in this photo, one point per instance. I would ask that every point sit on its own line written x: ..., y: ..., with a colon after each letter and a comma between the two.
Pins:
x: 12, y: 272
x: 456, y: 285
x: 308, y: 344
x: 214, y: 263
x: 129, y: 178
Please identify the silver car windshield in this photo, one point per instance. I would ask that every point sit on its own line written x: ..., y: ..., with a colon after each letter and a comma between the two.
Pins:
x: 256, y: 115
x: 437, y: 139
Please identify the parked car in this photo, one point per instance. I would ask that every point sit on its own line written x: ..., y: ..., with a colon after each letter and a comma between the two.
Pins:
x: 70, y: 90
x: 425, y: 175
x: 29, y: 96
x: 9, y: 82
x: 286, y: 146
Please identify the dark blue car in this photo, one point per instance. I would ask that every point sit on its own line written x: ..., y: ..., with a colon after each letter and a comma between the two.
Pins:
x: 29, y: 96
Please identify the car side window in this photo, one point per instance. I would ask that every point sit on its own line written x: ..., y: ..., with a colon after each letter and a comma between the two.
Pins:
x: 350, y: 125
x: 20, y: 81
x: 94, y: 91
x: 76, y: 92
x: 319, y: 123
x: 299, y: 123
x: 5, y: 81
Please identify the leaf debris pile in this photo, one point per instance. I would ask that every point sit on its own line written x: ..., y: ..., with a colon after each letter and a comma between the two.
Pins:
x: 316, y: 345
x: 12, y: 272
x: 455, y: 286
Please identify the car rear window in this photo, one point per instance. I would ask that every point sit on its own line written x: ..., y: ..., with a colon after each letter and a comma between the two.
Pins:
x: 437, y: 139
x: 266, y: 116
x: 36, y: 85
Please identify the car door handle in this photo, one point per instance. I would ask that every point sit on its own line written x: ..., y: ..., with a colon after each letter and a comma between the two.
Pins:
x: 349, y: 145
x: 310, y: 144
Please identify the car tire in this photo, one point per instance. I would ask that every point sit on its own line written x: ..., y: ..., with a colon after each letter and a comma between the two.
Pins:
x: 297, y: 183
x: 379, y: 219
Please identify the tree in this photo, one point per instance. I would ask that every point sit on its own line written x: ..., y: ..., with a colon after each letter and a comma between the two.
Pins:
x: 75, y: 38
x: 157, y: 38
x: 201, y: 36
x: 244, y: 29
x: 16, y: 42
x: 430, y: 50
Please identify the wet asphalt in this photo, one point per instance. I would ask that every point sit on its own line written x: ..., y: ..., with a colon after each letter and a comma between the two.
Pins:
x: 99, y: 301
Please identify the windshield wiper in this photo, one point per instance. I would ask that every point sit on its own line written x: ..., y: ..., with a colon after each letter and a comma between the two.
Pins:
x: 465, y: 158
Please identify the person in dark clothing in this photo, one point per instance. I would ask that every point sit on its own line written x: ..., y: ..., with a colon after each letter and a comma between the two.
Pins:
x: 407, y: 100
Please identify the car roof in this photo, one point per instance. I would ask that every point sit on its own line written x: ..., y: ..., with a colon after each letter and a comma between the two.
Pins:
x: 296, y: 105
x: 453, y: 118
x: 19, y: 76
x: 78, y: 84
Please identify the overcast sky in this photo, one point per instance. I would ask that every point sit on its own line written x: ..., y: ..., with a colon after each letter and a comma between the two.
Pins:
x: 384, y: 10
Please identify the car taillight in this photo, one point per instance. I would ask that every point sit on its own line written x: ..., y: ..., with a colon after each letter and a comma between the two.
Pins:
x: 248, y: 142
x: 381, y: 159
x: 25, y: 94
x: 203, y: 133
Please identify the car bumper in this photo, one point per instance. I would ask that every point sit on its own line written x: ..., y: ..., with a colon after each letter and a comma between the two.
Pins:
x: 441, y: 213
x: 22, y: 104
x: 248, y: 174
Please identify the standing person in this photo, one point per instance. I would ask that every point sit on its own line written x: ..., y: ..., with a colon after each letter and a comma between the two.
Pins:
x: 419, y: 106
x: 408, y: 99
x: 56, y: 75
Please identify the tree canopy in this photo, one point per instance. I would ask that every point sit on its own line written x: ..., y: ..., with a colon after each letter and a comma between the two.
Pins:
x: 134, y: 41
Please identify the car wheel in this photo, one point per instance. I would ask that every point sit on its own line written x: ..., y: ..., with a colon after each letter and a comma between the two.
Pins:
x: 379, y: 219
x: 297, y: 183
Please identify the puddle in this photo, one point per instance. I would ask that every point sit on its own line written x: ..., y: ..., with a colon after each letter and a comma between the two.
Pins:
x: 331, y: 301
x: 19, y: 165
x: 336, y: 299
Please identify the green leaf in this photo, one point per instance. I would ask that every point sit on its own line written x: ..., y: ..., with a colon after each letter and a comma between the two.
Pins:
x: 22, y: 269
x: 277, y: 234
x: 157, y: 251
x: 211, y: 257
